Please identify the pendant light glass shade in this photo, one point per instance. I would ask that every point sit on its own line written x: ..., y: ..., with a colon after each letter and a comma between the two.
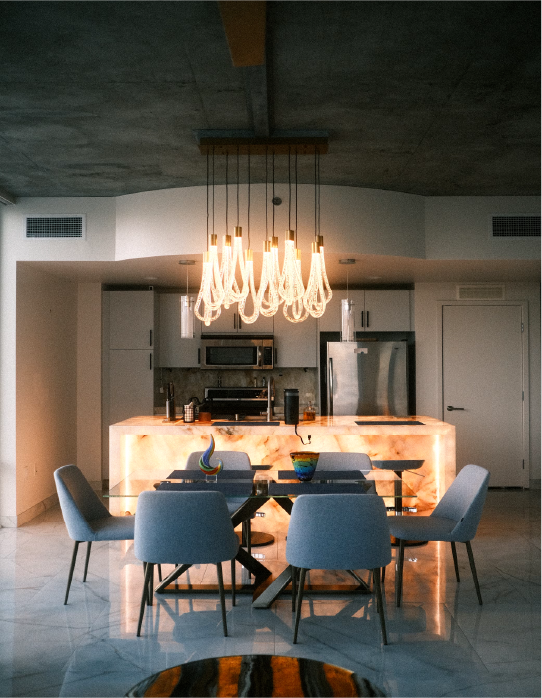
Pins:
x: 187, y: 317
x: 249, y: 291
x: 211, y: 293
x: 268, y: 294
x: 347, y: 320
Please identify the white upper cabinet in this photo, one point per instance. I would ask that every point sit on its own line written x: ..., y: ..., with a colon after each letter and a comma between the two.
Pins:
x: 387, y: 311
x: 374, y: 311
x: 295, y: 343
x: 175, y: 352
x: 131, y: 319
x: 230, y: 322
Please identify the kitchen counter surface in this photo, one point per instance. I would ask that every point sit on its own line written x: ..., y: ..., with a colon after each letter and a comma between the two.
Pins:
x: 143, y: 443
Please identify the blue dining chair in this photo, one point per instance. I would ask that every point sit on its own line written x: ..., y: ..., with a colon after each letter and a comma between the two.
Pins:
x: 187, y: 527
x: 86, y: 517
x: 454, y: 519
x: 337, y: 532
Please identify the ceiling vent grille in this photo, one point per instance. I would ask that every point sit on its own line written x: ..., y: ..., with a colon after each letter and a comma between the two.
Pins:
x: 480, y: 292
x: 515, y: 226
x: 55, y: 226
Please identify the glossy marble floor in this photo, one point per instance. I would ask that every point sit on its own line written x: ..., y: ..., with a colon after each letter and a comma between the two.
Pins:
x: 442, y: 643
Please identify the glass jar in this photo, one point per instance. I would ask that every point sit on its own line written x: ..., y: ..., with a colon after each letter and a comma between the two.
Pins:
x: 309, y: 414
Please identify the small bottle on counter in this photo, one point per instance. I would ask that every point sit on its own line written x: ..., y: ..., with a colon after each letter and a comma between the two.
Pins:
x: 309, y: 414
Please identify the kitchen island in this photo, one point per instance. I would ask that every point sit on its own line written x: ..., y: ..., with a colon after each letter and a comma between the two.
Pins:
x: 150, y: 444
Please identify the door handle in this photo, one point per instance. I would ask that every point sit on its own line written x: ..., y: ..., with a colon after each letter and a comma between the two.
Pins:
x: 451, y: 409
x: 330, y: 388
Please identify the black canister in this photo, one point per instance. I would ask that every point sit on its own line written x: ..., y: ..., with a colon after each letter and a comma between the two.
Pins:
x: 291, y: 406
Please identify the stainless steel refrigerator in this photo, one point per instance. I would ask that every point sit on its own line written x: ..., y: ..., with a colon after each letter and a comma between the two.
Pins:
x: 367, y: 378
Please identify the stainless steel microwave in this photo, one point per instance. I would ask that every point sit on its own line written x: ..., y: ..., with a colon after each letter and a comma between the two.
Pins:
x: 237, y: 352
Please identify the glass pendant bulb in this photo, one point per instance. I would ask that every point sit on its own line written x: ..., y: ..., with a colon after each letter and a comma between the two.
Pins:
x: 249, y: 289
x: 235, y: 266
x: 208, y: 294
x: 268, y: 295
x: 225, y: 269
x: 291, y: 284
x: 327, y: 287
x: 293, y: 309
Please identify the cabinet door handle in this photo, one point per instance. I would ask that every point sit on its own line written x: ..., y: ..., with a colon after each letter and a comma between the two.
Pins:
x: 239, y: 322
x: 199, y: 356
x: 451, y: 409
x: 150, y: 361
x: 362, y: 324
x: 150, y: 338
x: 235, y: 321
x: 367, y: 317
x: 275, y: 357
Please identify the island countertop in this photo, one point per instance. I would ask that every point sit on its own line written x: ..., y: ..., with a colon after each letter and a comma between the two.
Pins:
x: 149, y: 442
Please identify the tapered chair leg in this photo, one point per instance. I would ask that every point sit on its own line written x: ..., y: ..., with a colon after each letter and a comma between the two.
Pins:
x: 86, y: 561
x: 294, y: 586
x: 233, y: 581
x: 473, y: 570
x: 222, y: 597
x: 383, y: 574
x: 376, y: 572
x: 72, y: 566
x: 159, y: 573
x: 399, y: 573
x: 148, y: 573
x: 454, y: 555
x: 150, y: 585
x: 300, y: 588
x: 380, y: 604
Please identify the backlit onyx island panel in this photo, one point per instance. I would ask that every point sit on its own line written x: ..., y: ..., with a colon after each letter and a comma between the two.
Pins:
x: 150, y: 444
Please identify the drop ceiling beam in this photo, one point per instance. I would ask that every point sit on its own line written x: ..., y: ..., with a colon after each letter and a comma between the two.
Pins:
x: 245, y: 26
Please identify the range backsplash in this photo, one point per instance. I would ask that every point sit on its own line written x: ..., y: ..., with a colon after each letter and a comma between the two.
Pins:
x: 191, y: 382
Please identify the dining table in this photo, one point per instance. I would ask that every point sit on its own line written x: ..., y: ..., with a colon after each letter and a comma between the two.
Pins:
x: 252, y: 489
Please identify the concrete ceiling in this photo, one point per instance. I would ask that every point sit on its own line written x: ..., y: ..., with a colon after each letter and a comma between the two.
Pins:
x: 430, y: 98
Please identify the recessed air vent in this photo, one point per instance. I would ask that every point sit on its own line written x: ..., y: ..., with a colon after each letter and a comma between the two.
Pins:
x: 515, y: 226
x: 480, y: 292
x: 55, y: 226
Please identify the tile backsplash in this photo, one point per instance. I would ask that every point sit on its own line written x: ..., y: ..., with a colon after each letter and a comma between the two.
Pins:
x: 191, y: 382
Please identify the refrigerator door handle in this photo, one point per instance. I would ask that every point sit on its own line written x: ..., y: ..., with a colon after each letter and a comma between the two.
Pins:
x: 330, y: 388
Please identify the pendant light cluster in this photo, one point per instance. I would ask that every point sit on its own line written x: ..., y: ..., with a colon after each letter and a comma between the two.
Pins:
x: 231, y: 280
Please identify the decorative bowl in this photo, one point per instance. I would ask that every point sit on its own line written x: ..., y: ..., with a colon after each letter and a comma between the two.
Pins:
x: 304, y: 463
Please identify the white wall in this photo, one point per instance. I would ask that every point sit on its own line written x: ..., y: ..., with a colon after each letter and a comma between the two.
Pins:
x: 458, y: 227
x: 89, y: 380
x: 46, y: 382
x: 362, y: 221
x: 99, y: 245
x: 426, y: 297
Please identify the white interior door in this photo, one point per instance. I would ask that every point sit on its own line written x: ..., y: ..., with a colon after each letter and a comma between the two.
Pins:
x: 483, y: 375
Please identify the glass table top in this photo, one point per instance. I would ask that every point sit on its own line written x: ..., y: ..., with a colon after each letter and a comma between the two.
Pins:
x: 269, y: 483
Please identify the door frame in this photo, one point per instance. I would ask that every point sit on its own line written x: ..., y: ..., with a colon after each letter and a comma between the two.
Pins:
x: 524, y: 305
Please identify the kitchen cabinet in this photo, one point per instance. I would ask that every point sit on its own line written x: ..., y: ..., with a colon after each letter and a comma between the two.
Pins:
x: 131, y: 380
x: 131, y: 319
x: 175, y: 352
x: 374, y: 311
x: 295, y: 343
x: 230, y: 322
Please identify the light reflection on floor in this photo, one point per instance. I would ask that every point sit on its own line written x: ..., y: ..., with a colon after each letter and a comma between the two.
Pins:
x: 442, y: 643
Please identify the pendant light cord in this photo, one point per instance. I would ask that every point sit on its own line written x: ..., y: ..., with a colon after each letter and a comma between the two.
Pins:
x: 207, y: 201
x: 289, y: 190
x: 237, y: 185
x: 296, y: 197
x: 248, y: 212
x: 226, y: 193
x: 273, y: 173
x: 266, y: 196
x: 213, y: 190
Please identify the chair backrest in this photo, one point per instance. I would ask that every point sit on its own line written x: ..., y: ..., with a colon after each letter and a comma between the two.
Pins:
x: 344, y: 461
x: 464, y: 500
x: 183, y: 527
x: 338, y: 531
x: 233, y: 460
x: 78, y: 501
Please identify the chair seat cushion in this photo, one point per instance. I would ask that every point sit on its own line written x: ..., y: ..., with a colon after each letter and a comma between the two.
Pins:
x: 113, y: 528
x: 422, y: 527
